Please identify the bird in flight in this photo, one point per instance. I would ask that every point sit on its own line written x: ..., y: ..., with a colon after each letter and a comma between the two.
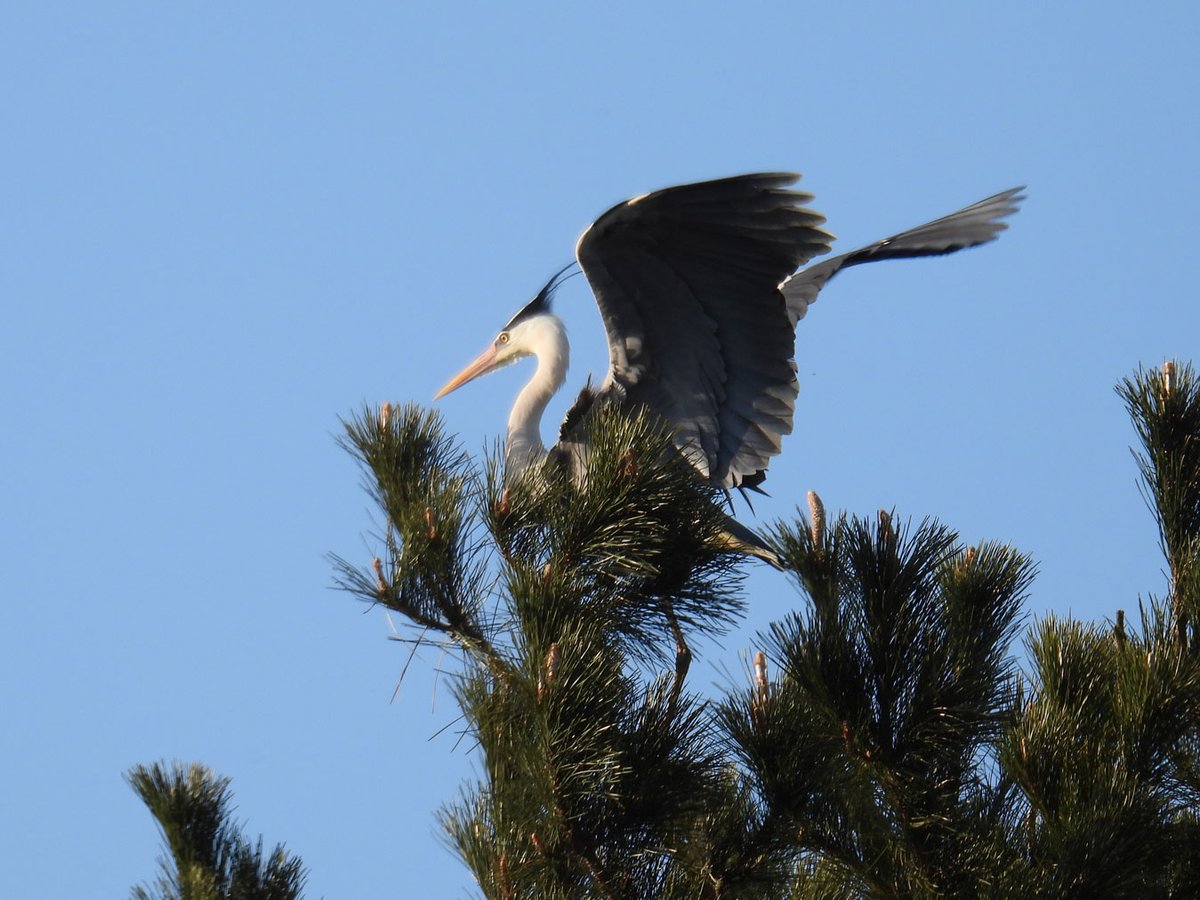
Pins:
x: 700, y: 289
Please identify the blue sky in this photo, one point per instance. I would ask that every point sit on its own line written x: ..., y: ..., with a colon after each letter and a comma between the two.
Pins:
x: 225, y: 226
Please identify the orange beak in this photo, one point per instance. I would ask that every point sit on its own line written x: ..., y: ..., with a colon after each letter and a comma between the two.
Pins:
x: 486, y: 360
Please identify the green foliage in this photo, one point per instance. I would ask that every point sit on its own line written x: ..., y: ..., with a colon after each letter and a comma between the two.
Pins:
x: 1095, y: 751
x: 888, y: 744
x: 421, y: 482
x: 209, y: 858
x: 1165, y: 408
x: 870, y: 749
x: 595, y: 772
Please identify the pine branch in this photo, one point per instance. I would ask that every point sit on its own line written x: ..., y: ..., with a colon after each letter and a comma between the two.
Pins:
x: 640, y: 539
x: 893, y: 686
x: 1133, y: 704
x: 209, y: 857
x: 1165, y: 409
x: 433, y: 565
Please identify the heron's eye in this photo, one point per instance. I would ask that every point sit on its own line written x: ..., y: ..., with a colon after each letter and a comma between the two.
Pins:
x: 503, y: 337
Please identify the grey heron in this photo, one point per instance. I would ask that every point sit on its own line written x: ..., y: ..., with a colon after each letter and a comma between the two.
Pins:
x: 700, y: 289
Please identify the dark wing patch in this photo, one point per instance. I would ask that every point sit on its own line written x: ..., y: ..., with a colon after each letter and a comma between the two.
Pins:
x: 578, y: 411
x: 687, y: 280
x: 971, y: 226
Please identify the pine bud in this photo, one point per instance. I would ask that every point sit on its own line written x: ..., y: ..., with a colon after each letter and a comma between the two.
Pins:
x: 628, y: 466
x: 537, y: 843
x: 1168, y: 371
x: 1119, y: 628
x: 502, y: 876
x: 385, y: 416
x: 551, y: 668
x: 502, y: 505
x: 885, y: 521
x: 760, y: 682
x: 760, y: 674
x: 431, y: 528
x: 816, y: 513
x: 380, y: 583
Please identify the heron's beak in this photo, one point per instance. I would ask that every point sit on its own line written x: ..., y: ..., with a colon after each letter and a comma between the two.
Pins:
x: 480, y: 367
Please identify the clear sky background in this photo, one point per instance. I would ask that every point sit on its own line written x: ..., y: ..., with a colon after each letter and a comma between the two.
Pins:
x: 223, y: 226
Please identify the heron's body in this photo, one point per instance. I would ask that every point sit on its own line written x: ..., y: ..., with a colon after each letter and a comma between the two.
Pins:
x: 699, y: 292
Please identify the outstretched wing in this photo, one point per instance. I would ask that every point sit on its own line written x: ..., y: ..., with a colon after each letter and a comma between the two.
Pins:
x: 969, y: 227
x: 688, y: 283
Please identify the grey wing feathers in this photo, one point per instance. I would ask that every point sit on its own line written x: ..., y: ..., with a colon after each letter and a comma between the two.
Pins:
x: 687, y: 280
x: 971, y: 226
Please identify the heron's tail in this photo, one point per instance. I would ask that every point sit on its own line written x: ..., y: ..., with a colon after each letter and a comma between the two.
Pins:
x: 741, y: 539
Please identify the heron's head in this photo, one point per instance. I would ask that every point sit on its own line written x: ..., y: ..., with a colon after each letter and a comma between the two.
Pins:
x: 534, y: 331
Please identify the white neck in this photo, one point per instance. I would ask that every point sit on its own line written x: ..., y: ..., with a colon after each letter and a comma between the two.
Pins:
x: 548, y: 342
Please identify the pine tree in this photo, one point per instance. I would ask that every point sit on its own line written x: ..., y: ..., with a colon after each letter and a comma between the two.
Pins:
x: 869, y: 756
x: 1104, y: 750
x: 564, y: 599
x: 889, y: 743
x: 209, y: 858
